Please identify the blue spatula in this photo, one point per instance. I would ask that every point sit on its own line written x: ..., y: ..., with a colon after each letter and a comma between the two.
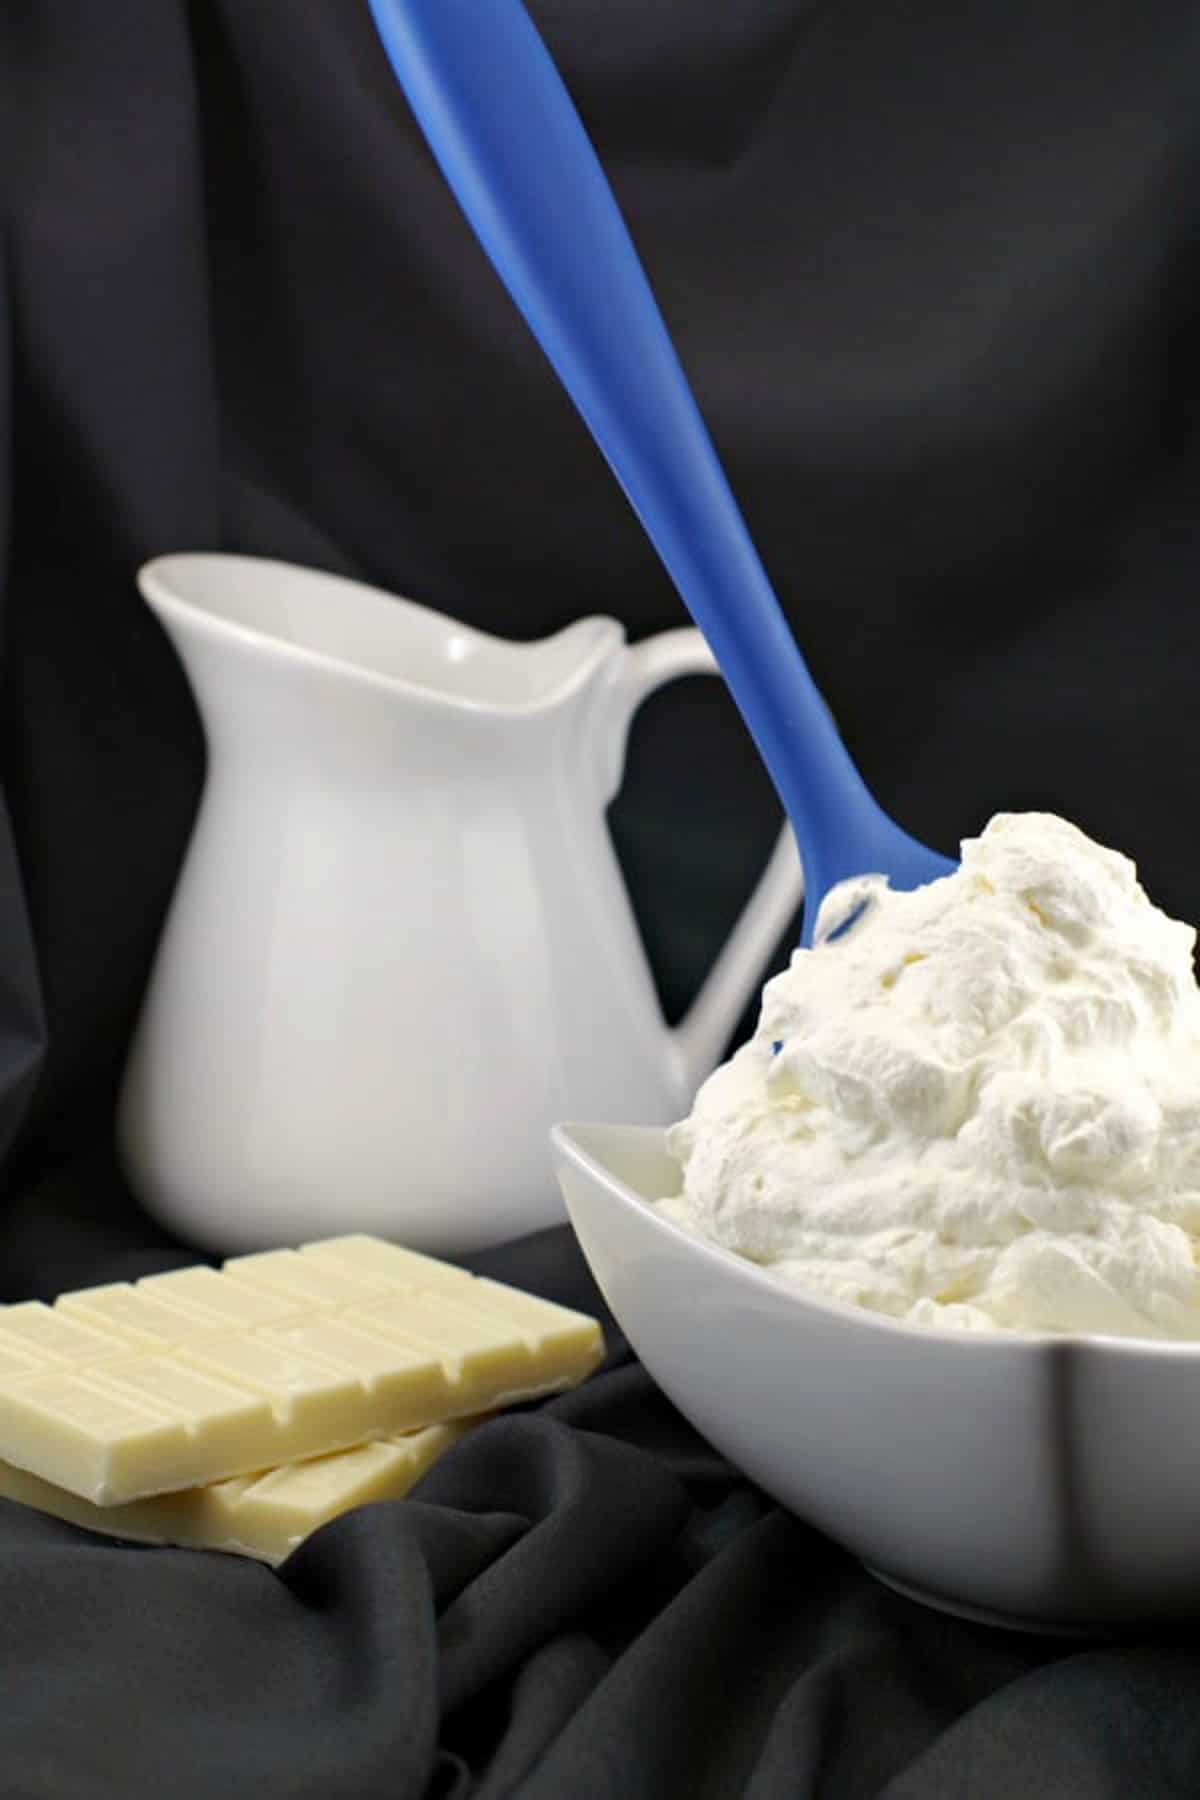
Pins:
x: 514, y: 151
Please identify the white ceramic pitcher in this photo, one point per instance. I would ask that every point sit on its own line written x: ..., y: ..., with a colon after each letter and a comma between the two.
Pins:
x: 400, y: 947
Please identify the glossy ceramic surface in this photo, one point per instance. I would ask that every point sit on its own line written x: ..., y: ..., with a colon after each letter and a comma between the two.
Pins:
x: 400, y: 945
x: 1042, y: 1482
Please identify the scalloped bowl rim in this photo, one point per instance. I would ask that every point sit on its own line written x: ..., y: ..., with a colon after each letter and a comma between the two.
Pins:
x: 566, y: 1138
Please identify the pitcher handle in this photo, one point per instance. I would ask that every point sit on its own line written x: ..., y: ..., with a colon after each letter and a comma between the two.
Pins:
x: 701, y: 1035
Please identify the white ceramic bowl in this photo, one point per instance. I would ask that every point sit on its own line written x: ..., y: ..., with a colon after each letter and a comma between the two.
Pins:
x: 1048, y: 1483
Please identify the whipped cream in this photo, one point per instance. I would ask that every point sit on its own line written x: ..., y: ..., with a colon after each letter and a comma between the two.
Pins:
x: 977, y: 1107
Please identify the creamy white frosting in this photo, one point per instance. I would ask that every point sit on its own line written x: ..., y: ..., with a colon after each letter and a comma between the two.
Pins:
x: 978, y: 1107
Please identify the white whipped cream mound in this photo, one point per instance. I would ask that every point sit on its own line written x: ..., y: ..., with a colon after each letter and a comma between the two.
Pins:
x: 978, y: 1107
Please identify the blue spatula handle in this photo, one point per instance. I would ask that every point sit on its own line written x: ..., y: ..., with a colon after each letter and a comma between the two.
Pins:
x: 512, y: 147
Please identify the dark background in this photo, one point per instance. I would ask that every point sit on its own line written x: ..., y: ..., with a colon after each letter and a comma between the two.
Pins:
x: 932, y: 270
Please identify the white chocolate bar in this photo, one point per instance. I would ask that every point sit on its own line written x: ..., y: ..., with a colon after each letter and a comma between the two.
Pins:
x: 264, y: 1516
x: 180, y: 1380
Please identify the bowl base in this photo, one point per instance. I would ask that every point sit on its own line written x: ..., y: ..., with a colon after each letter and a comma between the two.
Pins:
x: 982, y: 1615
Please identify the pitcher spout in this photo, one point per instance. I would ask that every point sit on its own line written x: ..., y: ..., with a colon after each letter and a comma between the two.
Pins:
x: 308, y: 624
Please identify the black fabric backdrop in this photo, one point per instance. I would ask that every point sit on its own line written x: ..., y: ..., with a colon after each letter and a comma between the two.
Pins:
x: 933, y: 272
